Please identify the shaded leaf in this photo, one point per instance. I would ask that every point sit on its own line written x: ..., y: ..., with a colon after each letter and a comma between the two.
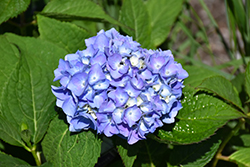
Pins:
x: 134, y: 15
x: 201, y: 115
x: 196, y: 154
x: 11, y: 8
x: 241, y: 156
x: 152, y: 153
x: 247, y: 79
x: 27, y: 98
x: 63, y: 148
x: 223, y: 88
x: 7, y: 160
x: 128, y: 153
x: 70, y: 37
x: 79, y: 8
x: 162, y: 16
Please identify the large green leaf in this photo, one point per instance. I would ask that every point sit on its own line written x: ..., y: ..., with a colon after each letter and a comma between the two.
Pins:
x: 195, y: 155
x: 9, y: 161
x: 26, y: 99
x: 202, y: 114
x: 134, y: 14
x: 241, y: 156
x: 63, y: 148
x: 162, y: 14
x: 78, y: 8
x: 70, y: 37
x: 11, y: 8
x: 223, y: 88
x: 8, y: 64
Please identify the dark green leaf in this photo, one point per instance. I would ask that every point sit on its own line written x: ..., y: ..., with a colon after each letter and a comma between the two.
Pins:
x: 63, y: 148
x: 66, y: 35
x: 27, y: 98
x: 162, y: 14
x: 223, y: 88
x: 152, y: 153
x: 79, y: 8
x: 202, y: 114
x: 247, y: 79
x: 241, y: 156
x: 128, y: 153
x: 9, y: 161
x: 134, y: 14
x: 195, y: 155
x: 11, y: 8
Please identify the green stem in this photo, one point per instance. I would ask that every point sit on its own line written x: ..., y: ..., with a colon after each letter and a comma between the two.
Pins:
x: 36, y: 155
x: 149, y: 155
x: 224, y: 143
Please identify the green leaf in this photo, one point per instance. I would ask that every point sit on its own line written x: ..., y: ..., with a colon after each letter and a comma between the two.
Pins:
x: 134, y: 15
x: 197, y: 75
x: 10, y: 134
x: 11, y: 8
x: 162, y: 16
x: 241, y: 156
x: 201, y: 115
x: 223, y: 88
x: 247, y: 79
x: 26, y: 97
x: 78, y: 8
x: 128, y: 153
x: 151, y: 154
x: 70, y: 37
x: 7, y: 160
x: 63, y: 148
x: 195, y: 155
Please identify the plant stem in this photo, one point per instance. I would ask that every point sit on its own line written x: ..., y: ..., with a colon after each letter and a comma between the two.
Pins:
x: 36, y: 155
x: 218, y: 155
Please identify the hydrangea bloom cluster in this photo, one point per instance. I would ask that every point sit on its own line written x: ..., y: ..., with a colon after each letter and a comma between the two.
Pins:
x: 116, y: 87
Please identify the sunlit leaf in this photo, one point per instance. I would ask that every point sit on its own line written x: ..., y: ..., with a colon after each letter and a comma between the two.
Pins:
x: 201, y: 115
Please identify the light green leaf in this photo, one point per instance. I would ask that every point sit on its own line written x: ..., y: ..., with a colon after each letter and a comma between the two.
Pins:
x: 11, y: 8
x: 70, y: 37
x: 162, y: 14
x: 247, y: 79
x: 223, y: 88
x: 134, y: 15
x: 78, y: 8
x: 9, y: 161
x: 26, y: 98
x: 201, y: 115
x: 197, y: 75
x: 241, y: 156
x: 195, y: 155
x: 63, y: 148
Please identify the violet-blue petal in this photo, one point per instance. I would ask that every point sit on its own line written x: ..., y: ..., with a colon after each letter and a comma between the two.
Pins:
x: 78, y: 83
x: 131, y: 91
x: 69, y: 106
x: 131, y: 115
x: 101, y: 85
x: 95, y: 74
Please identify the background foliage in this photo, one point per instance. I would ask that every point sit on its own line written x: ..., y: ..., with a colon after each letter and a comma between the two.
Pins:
x: 213, y: 127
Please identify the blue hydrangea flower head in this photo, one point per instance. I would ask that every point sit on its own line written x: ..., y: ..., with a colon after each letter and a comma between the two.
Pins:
x: 118, y: 88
